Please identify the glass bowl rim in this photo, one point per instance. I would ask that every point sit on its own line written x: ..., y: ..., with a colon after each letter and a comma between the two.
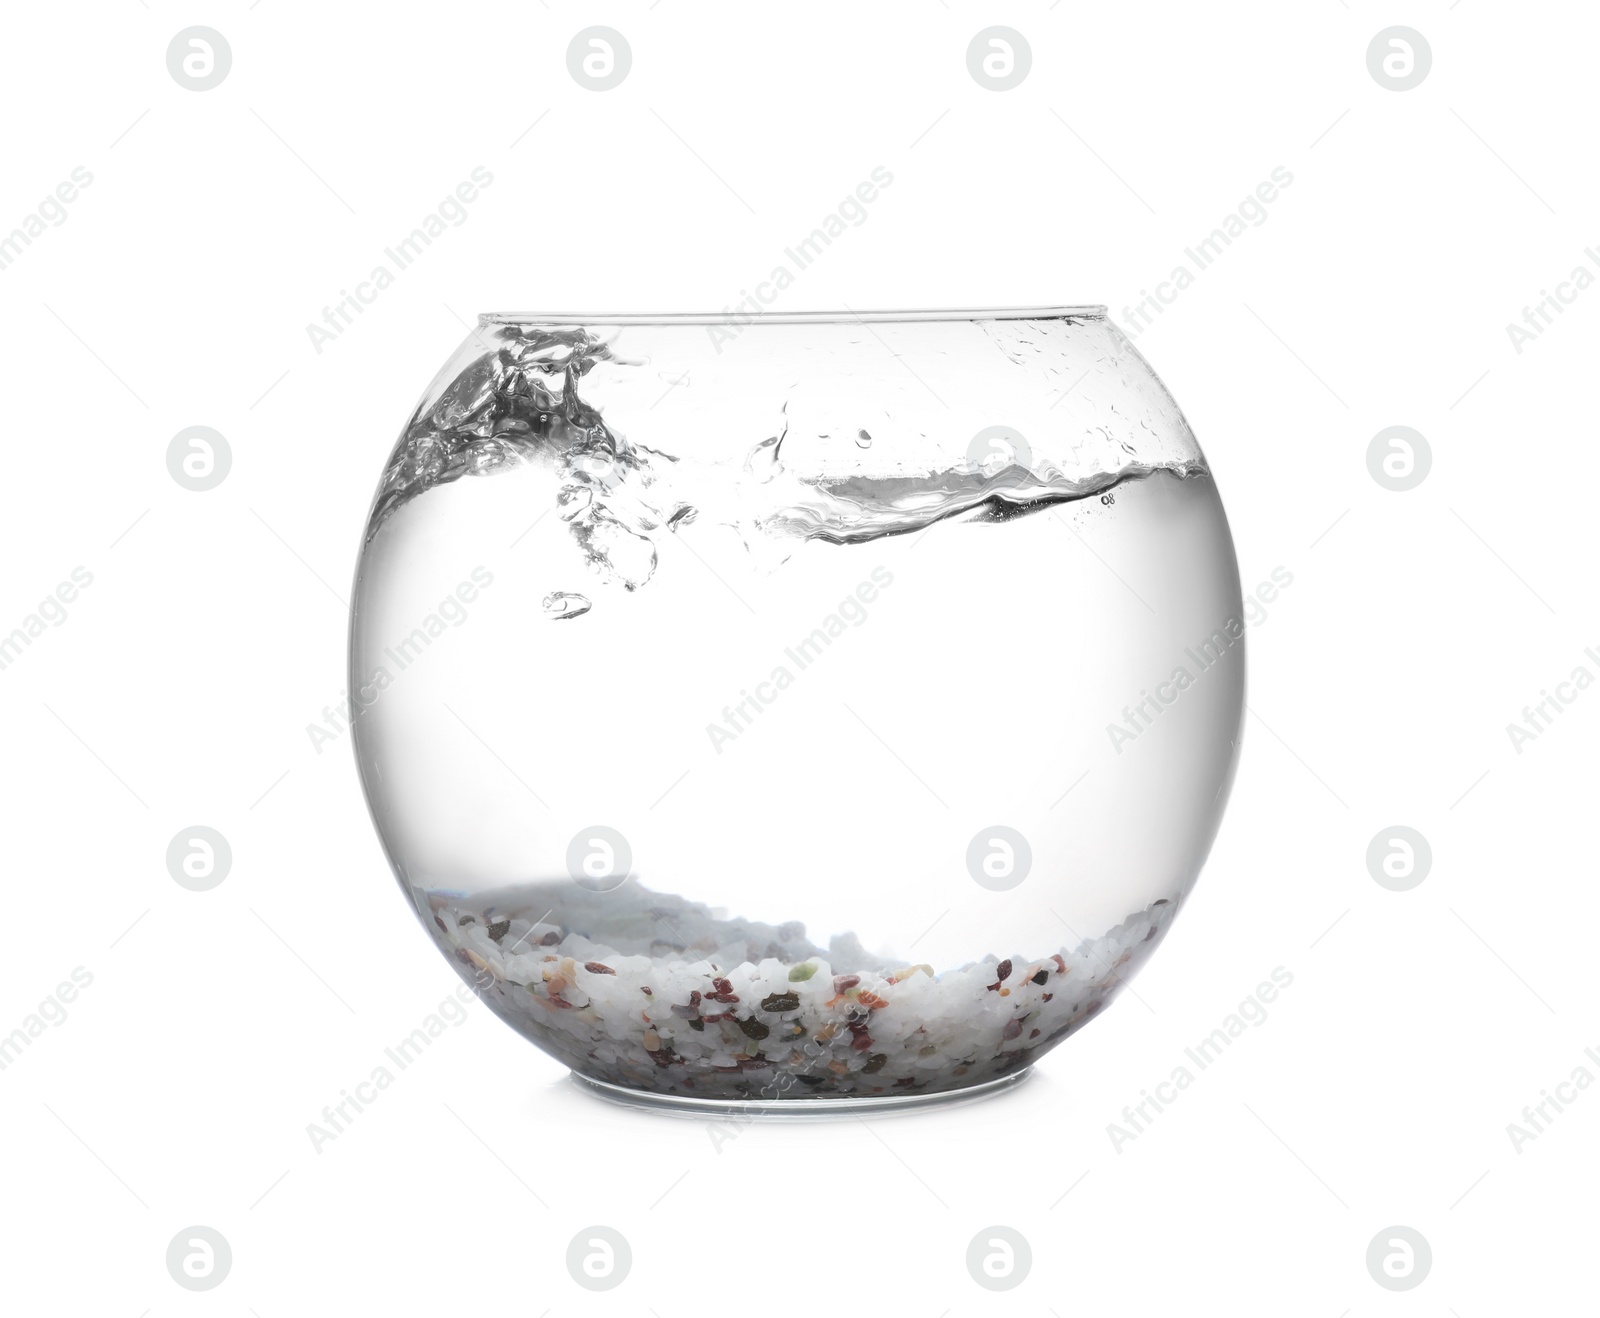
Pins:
x: 1092, y: 311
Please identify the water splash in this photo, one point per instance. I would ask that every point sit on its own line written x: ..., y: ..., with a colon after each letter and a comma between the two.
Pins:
x: 520, y: 403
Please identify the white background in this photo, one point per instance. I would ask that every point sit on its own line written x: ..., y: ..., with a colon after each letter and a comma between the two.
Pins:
x: 177, y: 692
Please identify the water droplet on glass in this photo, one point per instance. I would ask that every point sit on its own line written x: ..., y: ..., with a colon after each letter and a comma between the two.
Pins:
x: 682, y: 516
x: 863, y: 440
x: 565, y: 604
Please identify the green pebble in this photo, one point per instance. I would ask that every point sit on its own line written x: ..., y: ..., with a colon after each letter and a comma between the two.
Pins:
x: 803, y: 971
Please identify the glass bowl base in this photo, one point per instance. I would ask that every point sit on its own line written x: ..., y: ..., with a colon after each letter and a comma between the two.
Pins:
x: 795, y: 1108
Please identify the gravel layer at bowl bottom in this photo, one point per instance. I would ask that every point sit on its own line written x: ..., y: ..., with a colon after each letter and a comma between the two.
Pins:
x: 781, y: 1026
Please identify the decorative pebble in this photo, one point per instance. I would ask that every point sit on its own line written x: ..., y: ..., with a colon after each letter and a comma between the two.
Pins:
x: 836, y: 1025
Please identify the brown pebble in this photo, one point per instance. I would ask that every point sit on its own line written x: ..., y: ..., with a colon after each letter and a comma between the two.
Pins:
x: 1012, y: 1030
x: 844, y: 983
x: 1041, y: 977
x: 595, y: 968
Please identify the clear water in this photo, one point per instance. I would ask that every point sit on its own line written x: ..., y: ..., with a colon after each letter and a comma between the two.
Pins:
x: 792, y: 651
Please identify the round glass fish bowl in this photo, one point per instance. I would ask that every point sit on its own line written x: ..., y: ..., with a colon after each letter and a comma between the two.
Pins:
x: 821, y: 711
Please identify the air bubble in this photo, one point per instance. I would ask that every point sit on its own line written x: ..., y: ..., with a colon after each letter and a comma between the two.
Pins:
x: 566, y: 604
